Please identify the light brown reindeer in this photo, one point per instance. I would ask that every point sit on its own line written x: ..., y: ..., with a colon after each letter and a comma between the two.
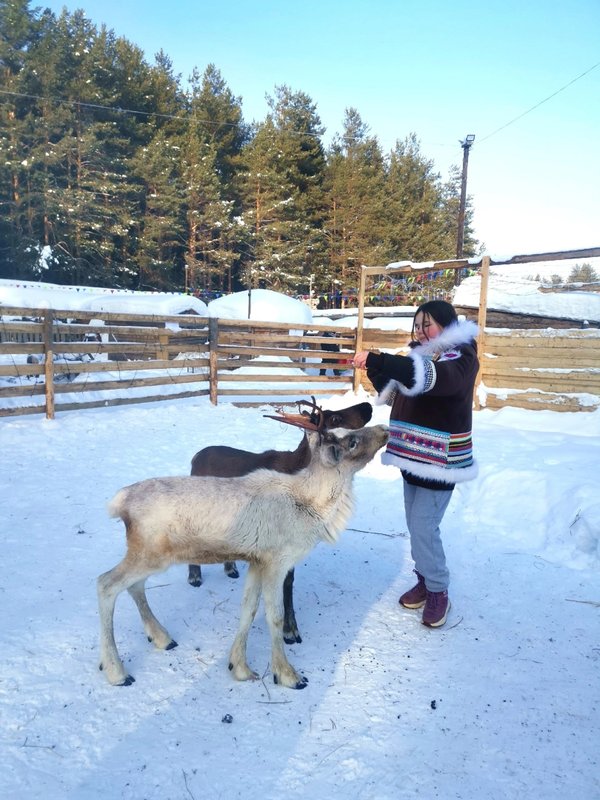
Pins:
x: 269, y: 519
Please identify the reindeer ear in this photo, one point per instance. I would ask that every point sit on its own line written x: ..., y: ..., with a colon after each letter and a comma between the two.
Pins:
x: 366, y: 411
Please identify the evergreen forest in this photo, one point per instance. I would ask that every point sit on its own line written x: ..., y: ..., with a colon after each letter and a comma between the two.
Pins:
x: 113, y: 172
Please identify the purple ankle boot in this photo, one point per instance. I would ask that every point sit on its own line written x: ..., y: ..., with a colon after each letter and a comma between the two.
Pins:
x: 415, y: 597
x: 437, y: 605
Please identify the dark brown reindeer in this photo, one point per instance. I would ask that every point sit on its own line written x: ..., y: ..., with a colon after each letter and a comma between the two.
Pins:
x: 219, y: 461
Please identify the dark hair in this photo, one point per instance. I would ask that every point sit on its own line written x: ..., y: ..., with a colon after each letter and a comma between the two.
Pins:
x: 439, y: 311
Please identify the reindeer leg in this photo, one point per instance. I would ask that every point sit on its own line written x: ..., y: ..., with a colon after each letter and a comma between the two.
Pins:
x: 231, y: 569
x: 110, y: 585
x: 155, y: 632
x: 291, y: 634
x: 237, y: 657
x: 194, y: 575
x: 283, y: 672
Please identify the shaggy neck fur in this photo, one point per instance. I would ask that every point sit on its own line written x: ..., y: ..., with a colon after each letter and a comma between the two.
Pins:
x: 325, y: 495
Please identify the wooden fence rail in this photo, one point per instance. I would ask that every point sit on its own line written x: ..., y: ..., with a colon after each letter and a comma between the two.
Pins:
x: 60, y: 360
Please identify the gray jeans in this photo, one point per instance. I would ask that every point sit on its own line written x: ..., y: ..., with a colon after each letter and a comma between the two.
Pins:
x: 424, y: 509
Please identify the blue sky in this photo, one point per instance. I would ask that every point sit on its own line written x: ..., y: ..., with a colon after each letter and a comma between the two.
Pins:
x: 439, y: 69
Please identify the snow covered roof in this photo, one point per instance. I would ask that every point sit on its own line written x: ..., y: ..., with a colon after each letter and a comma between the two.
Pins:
x: 514, y: 289
x: 28, y: 294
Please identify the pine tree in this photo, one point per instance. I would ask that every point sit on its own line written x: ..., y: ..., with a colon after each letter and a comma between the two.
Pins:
x: 262, y: 197
x: 219, y: 117
x: 356, y: 200
x: 284, y: 194
x: 215, y: 239
x: 207, y: 149
x: 161, y: 226
x: 414, y: 204
x: 304, y: 165
x: 161, y: 230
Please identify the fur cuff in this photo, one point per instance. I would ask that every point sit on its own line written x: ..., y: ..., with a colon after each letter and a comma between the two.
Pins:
x: 387, y: 394
x: 424, y: 376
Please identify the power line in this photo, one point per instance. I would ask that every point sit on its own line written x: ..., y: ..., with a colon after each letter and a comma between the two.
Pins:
x: 119, y: 110
x: 537, y: 105
x: 115, y: 109
x: 176, y: 117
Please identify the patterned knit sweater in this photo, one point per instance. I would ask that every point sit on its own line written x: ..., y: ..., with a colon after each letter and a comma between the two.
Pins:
x: 431, y: 394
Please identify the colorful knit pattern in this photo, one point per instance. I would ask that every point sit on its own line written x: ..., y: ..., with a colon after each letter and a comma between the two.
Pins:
x: 428, y: 446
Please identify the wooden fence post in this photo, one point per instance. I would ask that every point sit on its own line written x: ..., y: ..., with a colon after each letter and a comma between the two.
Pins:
x: 48, y: 363
x: 481, y: 320
x: 162, y: 352
x: 213, y: 371
x: 357, y: 374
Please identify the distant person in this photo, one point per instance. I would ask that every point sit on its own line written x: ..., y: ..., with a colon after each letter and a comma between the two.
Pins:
x: 431, y: 394
x: 331, y: 347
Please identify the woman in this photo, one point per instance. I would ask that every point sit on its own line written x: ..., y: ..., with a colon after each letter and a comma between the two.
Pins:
x: 431, y: 394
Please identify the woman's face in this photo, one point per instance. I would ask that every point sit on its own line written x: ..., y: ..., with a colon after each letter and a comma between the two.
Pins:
x: 426, y: 328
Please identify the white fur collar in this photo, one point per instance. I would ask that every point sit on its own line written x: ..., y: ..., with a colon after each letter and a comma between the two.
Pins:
x: 457, y: 333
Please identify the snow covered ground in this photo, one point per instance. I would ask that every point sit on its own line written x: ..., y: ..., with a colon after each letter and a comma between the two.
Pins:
x: 503, y: 702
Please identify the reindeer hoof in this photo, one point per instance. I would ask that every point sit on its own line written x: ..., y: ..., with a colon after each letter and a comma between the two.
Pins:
x: 170, y: 646
x: 289, y: 637
x: 242, y: 672
x: 301, y: 684
x: 194, y: 575
x: 232, y: 571
x: 127, y: 680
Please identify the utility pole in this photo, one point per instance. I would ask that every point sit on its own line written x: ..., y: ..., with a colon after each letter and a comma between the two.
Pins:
x: 460, y: 239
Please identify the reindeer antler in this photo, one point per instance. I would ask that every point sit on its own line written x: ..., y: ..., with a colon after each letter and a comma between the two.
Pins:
x: 316, y: 413
x: 310, y: 422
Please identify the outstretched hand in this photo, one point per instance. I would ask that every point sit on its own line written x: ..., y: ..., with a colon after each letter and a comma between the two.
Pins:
x: 360, y: 359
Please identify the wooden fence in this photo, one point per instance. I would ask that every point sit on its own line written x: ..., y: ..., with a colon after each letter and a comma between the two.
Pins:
x: 540, y: 369
x: 60, y: 360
